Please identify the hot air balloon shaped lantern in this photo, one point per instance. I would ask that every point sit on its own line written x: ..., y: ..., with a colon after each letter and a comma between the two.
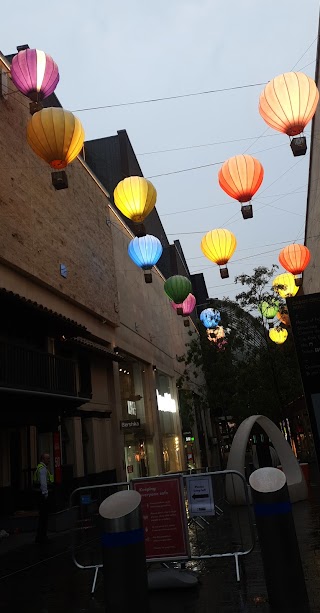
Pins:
x: 240, y: 177
x: 210, y: 318
x: 284, y: 285
x: 35, y: 75
x: 185, y: 308
x: 287, y: 104
x: 178, y: 288
x: 278, y: 335
x: 135, y: 197
x: 218, y: 246
x: 269, y: 309
x: 283, y: 316
x: 295, y: 259
x: 56, y: 136
x: 145, y: 251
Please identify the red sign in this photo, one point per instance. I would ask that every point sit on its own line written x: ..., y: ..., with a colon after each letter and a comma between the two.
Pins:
x: 57, y: 457
x: 164, y: 517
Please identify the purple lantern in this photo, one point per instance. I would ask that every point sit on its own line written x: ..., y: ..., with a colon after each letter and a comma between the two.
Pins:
x: 34, y: 73
x: 186, y: 306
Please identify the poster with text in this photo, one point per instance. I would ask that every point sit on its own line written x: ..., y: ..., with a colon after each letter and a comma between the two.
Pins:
x: 164, y: 517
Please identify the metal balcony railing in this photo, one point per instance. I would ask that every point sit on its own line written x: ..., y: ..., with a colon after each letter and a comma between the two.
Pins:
x: 23, y: 368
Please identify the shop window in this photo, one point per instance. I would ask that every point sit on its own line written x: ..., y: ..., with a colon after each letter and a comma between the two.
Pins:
x: 132, y: 390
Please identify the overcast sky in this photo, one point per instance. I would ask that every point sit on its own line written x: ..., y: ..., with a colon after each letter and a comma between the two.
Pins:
x: 111, y: 52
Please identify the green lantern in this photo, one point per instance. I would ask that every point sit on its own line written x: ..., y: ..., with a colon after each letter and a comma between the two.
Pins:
x: 178, y: 288
x: 269, y: 309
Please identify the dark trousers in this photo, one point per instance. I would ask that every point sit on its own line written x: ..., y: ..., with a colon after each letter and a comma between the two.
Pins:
x: 43, y: 506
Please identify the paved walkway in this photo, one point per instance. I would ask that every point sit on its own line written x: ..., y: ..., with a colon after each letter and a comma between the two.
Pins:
x: 43, y: 579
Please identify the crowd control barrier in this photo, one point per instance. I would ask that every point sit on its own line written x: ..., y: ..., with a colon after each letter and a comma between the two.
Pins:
x: 186, y: 517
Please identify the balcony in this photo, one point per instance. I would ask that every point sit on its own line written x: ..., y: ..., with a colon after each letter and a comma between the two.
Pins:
x: 25, y: 369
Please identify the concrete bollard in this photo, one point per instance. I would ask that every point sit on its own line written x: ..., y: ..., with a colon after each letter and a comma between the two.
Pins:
x: 278, y: 541
x: 124, y: 559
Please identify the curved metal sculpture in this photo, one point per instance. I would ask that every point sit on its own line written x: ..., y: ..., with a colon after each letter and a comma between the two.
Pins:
x: 297, y: 486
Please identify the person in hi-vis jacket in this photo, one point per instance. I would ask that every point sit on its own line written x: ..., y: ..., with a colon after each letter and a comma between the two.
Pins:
x: 42, y: 480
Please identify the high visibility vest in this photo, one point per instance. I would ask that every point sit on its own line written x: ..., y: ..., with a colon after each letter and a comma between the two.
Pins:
x: 36, y: 476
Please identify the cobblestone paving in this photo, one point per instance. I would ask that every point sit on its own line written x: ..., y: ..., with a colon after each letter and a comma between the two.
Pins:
x: 52, y: 584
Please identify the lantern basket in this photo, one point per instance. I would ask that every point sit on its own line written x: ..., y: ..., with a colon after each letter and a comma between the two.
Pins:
x: 224, y: 273
x: 35, y: 107
x: 299, y: 146
x: 59, y: 179
x: 246, y: 211
x: 148, y: 277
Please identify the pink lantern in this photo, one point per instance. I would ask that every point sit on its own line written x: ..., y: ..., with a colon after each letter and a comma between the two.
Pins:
x: 34, y: 73
x: 186, y: 307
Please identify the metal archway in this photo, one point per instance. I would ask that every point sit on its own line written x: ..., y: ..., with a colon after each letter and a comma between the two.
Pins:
x: 297, y: 486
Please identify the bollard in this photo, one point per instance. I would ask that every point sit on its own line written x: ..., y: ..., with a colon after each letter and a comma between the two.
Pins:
x: 278, y: 541
x: 123, y: 552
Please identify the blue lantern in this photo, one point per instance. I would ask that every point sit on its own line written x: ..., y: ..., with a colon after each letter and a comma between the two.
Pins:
x: 145, y: 251
x: 210, y: 318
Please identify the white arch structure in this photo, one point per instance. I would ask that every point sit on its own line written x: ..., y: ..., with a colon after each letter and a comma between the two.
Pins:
x: 297, y: 486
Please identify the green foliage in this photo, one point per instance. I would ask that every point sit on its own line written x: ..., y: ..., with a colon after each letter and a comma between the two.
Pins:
x: 252, y: 375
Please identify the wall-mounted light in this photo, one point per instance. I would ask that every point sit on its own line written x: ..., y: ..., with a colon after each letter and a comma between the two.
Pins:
x: 154, y: 367
x: 116, y: 350
x: 120, y: 369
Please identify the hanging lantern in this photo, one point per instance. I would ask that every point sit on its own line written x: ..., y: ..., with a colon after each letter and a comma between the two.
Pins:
x: 210, y: 318
x: 56, y: 136
x: 269, y: 309
x: 145, y: 251
x: 185, y: 308
x: 278, y: 335
x: 240, y: 177
x: 287, y: 104
x: 295, y: 259
x: 284, y: 285
x: 283, y: 316
x: 135, y: 197
x: 178, y: 288
x: 35, y: 75
x: 218, y: 246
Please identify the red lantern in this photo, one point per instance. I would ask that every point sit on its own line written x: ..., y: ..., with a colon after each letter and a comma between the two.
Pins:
x: 295, y: 259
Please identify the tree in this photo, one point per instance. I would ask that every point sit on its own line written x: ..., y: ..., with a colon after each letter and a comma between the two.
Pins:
x: 250, y: 375
x: 281, y: 359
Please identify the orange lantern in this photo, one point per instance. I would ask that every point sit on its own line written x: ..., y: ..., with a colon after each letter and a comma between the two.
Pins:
x: 295, y: 259
x: 283, y: 316
x: 287, y: 104
x: 240, y: 177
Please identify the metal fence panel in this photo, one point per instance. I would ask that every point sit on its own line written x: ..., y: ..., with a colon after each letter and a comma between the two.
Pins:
x: 227, y: 533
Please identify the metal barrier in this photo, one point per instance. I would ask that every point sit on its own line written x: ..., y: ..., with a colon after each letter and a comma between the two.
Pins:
x: 84, y: 503
x: 228, y: 533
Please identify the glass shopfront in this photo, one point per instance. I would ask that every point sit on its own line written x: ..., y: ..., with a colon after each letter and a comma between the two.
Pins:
x: 138, y: 446
x: 169, y: 423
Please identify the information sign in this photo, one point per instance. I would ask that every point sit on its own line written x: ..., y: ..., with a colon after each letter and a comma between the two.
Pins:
x: 200, y: 496
x: 164, y: 517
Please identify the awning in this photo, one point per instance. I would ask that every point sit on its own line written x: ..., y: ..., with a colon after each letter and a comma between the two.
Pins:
x: 95, y: 348
x: 16, y: 300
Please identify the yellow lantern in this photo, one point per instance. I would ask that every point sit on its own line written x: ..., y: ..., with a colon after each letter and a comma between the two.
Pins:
x: 278, y: 335
x: 285, y: 285
x: 56, y: 136
x: 135, y: 197
x: 218, y: 246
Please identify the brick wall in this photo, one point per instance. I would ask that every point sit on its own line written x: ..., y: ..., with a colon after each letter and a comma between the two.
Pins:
x: 41, y: 228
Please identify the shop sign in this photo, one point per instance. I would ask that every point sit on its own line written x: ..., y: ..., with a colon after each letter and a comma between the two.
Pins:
x: 200, y: 496
x: 57, y: 457
x: 164, y: 517
x: 129, y: 424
